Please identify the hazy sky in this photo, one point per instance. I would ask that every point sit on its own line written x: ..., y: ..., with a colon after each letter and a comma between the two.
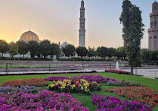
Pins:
x: 58, y: 20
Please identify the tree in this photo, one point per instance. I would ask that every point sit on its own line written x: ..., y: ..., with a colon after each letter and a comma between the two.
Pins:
x: 91, y: 52
x: 132, y: 32
x: 111, y: 52
x: 155, y: 56
x: 55, y: 50
x: 13, y: 49
x: 33, y: 47
x: 45, y: 48
x: 146, y: 55
x: 121, y: 53
x: 4, y: 47
x: 102, y: 51
x: 81, y: 51
x: 69, y: 50
x: 22, y: 47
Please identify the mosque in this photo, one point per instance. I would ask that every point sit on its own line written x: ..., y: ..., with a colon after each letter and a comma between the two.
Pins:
x: 28, y: 36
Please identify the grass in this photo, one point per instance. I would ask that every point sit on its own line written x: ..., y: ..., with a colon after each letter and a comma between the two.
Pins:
x: 27, y: 66
x: 86, y: 99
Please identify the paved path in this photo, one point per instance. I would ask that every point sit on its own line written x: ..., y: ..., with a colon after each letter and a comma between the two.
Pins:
x: 147, y: 73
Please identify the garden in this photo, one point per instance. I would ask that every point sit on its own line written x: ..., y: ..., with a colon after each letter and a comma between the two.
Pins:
x: 110, y: 91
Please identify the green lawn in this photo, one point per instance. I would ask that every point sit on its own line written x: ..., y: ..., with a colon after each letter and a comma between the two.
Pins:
x: 27, y: 66
x: 86, y: 99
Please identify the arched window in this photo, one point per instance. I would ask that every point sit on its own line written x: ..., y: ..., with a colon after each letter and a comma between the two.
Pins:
x: 150, y: 42
x: 151, y: 24
x: 155, y: 42
x: 155, y: 23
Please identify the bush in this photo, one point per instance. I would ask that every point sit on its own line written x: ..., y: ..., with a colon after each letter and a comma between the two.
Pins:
x: 56, y: 78
x: 43, y: 101
x: 98, y: 78
x: 30, y: 82
x: 140, y: 94
x: 74, y: 86
x: 12, y: 90
x: 122, y: 83
x: 107, y: 103
x: 117, y: 71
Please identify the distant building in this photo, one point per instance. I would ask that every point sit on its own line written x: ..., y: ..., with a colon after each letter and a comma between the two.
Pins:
x: 28, y: 36
x: 153, y: 31
x: 82, y: 29
x: 63, y: 44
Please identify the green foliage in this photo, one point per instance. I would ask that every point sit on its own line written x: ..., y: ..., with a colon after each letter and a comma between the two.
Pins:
x: 154, y: 56
x: 146, y: 55
x: 81, y: 51
x: 33, y: 48
x: 22, y: 47
x: 4, y: 47
x: 111, y: 52
x: 45, y: 48
x: 120, y: 53
x: 69, y: 50
x: 91, y: 52
x: 55, y: 50
x: 13, y: 49
x: 102, y: 51
x: 132, y: 32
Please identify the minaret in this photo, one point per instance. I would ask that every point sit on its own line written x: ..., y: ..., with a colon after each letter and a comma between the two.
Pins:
x: 82, y: 26
x: 153, y: 31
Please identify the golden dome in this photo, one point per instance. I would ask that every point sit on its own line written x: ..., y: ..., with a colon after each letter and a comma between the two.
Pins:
x: 29, y: 35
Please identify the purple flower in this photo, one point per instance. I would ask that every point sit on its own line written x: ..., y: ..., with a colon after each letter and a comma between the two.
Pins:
x: 115, y: 104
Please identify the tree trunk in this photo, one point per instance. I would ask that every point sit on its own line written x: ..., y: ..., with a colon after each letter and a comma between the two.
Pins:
x: 2, y: 55
x: 131, y: 69
x: 23, y: 55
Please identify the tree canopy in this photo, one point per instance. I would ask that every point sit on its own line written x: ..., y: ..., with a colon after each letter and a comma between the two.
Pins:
x: 132, y: 32
x: 4, y: 47
x: 69, y: 50
x: 81, y: 51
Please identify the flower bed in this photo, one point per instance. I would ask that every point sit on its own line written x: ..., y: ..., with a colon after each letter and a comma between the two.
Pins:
x: 30, y: 82
x: 56, y: 78
x: 44, y: 100
x: 140, y: 94
x: 117, y: 71
x: 97, y: 78
x: 74, y: 86
x: 115, y: 104
x: 122, y: 83
x: 12, y: 90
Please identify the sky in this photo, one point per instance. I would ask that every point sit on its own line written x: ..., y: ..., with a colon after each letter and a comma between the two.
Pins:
x: 58, y: 20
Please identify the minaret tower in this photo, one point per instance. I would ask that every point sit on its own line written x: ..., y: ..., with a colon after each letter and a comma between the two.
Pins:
x: 153, y: 31
x: 82, y: 26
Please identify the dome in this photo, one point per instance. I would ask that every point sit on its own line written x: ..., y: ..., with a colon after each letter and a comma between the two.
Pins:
x: 28, y: 36
x: 64, y: 44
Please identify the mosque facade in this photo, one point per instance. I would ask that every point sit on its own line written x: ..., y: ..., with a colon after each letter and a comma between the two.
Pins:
x: 153, y: 30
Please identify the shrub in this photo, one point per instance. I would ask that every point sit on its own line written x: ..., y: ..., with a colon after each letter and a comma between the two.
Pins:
x: 56, y: 78
x: 12, y: 90
x: 30, y: 82
x: 74, y: 86
x: 43, y: 101
x: 117, y: 71
x: 122, y: 83
x: 98, y: 78
x: 140, y: 94
x: 107, y: 103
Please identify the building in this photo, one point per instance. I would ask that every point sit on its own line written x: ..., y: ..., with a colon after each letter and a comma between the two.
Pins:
x: 153, y: 31
x: 82, y: 26
x: 28, y: 36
